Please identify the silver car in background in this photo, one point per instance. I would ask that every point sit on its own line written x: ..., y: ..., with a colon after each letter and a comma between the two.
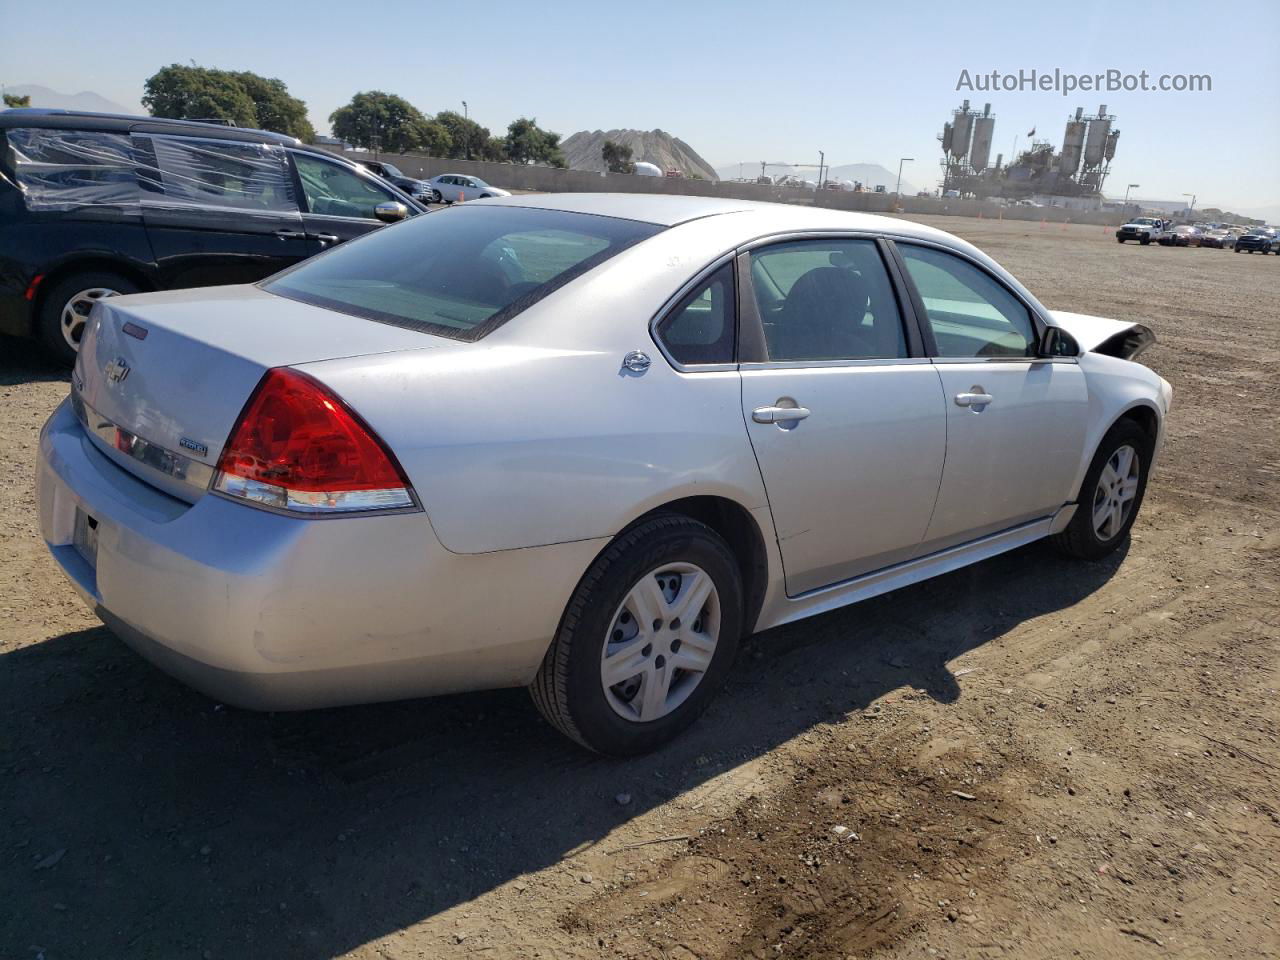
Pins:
x: 452, y: 187
x: 583, y: 443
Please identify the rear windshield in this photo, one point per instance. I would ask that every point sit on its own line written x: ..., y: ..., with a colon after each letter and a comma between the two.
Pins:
x: 461, y: 272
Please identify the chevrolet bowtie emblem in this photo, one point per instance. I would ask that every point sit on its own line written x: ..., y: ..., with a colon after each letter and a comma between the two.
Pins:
x: 117, y: 370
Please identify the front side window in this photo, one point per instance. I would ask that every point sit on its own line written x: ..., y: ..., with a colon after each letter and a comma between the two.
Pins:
x: 461, y: 272
x: 335, y: 191
x: 828, y: 299
x: 703, y: 328
x: 224, y: 174
x: 970, y: 313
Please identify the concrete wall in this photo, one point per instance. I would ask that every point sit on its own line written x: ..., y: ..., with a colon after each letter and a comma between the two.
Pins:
x: 514, y: 176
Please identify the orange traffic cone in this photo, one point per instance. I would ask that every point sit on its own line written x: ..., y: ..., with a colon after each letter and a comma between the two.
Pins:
x: 461, y: 198
x: 1042, y: 223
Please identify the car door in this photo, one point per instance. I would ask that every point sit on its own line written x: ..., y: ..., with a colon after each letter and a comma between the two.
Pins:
x: 338, y: 202
x: 217, y: 211
x: 1015, y: 421
x: 846, y: 419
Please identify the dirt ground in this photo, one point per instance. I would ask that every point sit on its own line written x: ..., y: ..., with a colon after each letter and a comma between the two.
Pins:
x: 1030, y: 758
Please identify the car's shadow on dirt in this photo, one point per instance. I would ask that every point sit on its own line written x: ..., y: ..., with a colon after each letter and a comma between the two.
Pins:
x: 142, y: 820
x: 24, y: 361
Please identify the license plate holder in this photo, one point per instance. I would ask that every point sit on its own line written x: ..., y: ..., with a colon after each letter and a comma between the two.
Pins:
x: 85, y: 537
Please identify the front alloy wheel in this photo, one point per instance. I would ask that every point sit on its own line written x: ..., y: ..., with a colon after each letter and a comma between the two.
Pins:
x: 1111, y: 493
x: 1117, y: 487
x: 647, y: 638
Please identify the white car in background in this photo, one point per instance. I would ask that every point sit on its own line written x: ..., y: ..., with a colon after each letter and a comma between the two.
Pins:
x: 583, y: 443
x: 452, y: 187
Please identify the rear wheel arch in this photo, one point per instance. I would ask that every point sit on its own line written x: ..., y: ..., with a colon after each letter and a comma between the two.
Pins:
x: 70, y: 268
x: 738, y: 528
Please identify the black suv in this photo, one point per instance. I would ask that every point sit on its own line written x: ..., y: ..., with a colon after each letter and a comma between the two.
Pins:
x: 93, y: 205
x: 418, y: 189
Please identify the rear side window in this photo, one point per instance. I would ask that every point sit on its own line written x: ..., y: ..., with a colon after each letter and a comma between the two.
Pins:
x: 217, y: 174
x: 66, y: 169
x: 462, y: 272
x: 828, y: 299
x: 703, y: 326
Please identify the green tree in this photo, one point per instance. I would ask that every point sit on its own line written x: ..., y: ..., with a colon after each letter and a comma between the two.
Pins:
x: 197, y: 93
x: 495, y: 148
x: 382, y: 121
x: 528, y: 143
x: 276, y: 109
x: 617, y: 157
x: 13, y: 100
x: 470, y: 140
x: 240, y: 97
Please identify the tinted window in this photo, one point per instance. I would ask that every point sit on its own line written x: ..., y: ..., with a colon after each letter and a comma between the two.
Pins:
x: 65, y: 169
x: 826, y: 300
x: 186, y: 171
x: 334, y: 191
x: 459, y: 272
x: 702, y: 328
x: 971, y: 314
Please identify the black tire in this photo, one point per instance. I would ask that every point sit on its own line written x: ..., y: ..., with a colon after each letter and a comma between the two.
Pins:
x: 1119, y: 239
x: 56, y: 299
x: 1144, y: 241
x: 1080, y: 539
x: 568, y: 690
x: 436, y: 196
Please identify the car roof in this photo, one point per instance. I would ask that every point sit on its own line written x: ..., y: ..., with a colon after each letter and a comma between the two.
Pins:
x: 51, y: 119
x: 670, y: 210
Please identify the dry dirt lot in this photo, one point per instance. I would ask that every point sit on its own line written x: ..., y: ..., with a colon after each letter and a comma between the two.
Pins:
x: 1031, y: 758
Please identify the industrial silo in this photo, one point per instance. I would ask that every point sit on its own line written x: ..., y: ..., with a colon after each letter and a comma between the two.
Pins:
x: 1072, y: 148
x: 961, y: 131
x: 1110, y: 152
x: 1095, y: 143
x: 983, y: 130
x: 946, y: 137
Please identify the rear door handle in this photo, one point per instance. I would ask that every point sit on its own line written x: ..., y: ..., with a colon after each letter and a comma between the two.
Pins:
x: 327, y: 237
x: 973, y: 399
x: 290, y: 234
x: 778, y: 414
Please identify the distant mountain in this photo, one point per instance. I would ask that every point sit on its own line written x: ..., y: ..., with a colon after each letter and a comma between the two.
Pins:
x: 582, y: 151
x: 85, y: 100
x: 870, y: 175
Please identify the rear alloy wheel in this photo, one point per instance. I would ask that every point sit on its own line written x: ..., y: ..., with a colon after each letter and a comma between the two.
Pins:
x: 65, y: 309
x: 436, y: 196
x: 647, y: 638
x: 1111, y: 493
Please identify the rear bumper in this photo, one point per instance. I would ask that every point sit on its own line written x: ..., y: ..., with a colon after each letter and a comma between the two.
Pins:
x: 277, y: 613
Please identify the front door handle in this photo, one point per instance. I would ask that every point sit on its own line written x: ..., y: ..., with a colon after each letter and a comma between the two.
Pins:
x: 778, y: 414
x: 290, y: 234
x: 973, y: 399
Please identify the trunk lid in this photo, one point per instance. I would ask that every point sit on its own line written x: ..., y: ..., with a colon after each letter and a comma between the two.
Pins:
x: 162, y: 377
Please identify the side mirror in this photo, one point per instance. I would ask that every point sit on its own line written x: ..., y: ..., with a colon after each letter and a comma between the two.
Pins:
x: 391, y: 211
x: 1056, y: 342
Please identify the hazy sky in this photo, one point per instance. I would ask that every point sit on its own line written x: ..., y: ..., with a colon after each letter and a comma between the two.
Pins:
x: 740, y: 81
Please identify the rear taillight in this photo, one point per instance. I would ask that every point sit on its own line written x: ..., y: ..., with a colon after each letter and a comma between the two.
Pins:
x: 298, y: 447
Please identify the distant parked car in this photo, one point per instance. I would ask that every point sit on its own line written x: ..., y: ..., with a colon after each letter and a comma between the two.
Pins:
x: 418, y: 189
x: 1183, y: 236
x: 1142, y: 229
x: 1257, y: 240
x: 1218, y: 238
x: 93, y: 205
x: 449, y: 187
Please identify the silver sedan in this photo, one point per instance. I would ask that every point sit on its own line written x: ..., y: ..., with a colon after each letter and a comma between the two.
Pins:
x: 582, y: 443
